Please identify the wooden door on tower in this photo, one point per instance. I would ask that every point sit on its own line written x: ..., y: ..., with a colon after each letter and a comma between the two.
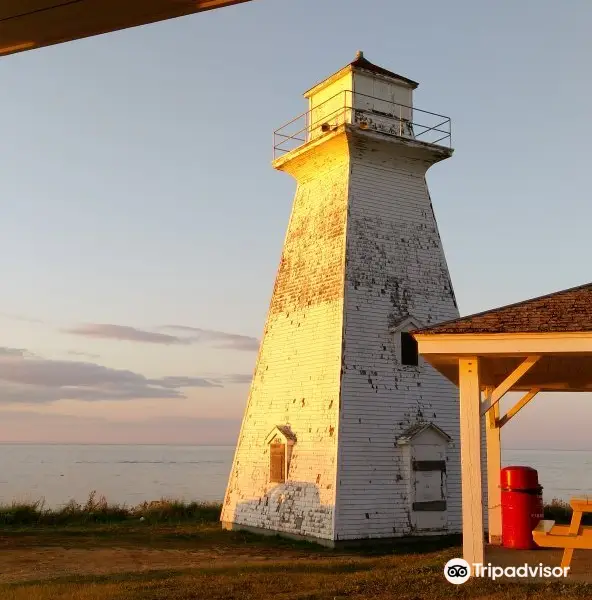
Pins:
x: 425, y: 449
x: 428, y: 476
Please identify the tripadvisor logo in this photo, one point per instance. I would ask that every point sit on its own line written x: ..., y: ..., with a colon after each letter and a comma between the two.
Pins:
x: 458, y: 570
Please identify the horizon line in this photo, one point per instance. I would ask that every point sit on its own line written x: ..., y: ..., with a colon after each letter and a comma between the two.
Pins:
x: 223, y: 445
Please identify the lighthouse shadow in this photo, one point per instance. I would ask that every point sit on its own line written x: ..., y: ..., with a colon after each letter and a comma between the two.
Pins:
x: 292, y: 509
x: 402, y: 545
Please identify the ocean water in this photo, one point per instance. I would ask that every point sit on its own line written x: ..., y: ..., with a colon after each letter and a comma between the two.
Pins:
x: 133, y: 474
x: 123, y: 474
x: 562, y: 473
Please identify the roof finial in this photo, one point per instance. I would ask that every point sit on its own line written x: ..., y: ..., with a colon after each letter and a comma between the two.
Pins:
x: 359, y: 55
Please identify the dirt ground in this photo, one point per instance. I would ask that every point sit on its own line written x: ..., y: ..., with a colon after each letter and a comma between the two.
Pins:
x: 192, y: 562
x: 28, y: 563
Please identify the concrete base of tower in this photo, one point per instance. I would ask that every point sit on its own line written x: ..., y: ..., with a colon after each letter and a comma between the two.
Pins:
x: 439, y: 538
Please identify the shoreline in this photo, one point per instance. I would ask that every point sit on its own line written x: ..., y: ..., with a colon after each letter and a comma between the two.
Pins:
x: 97, y: 509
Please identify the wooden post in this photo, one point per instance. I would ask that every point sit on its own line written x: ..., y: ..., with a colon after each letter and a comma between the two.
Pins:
x: 494, y: 465
x: 470, y: 458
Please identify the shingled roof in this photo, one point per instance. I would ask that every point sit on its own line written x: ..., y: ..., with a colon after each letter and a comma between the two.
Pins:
x: 565, y: 311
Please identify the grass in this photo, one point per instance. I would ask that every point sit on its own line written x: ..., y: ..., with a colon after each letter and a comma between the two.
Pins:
x: 201, y: 562
x: 101, y: 551
x: 98, y: 510
x: 380, y: 580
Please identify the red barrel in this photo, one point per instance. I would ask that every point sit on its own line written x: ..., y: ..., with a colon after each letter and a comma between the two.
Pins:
x: 522, y: 506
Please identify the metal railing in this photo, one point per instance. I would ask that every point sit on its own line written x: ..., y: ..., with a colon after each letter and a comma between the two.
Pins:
x: 367, y: 112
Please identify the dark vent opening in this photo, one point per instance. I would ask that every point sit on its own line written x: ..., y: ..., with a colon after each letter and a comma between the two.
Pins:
x: 409, y: 355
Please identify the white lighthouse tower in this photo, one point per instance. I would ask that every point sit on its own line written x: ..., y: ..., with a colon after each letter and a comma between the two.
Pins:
x: 348, y: 434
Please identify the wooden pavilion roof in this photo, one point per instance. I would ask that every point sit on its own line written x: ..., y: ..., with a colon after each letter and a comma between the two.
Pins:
x: 29, y: 24
x: 567, y: 310
x: 553, y: 331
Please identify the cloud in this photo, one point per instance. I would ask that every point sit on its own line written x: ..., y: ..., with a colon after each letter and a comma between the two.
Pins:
x: 23, y: 318
x: 32, y: 379
x: 219, y: 339
x: 13, y: 352
x: 124, y: 332
x: 180, y: 381
x: 83, y: 354
x: 183, y: 335
x: 235, y: 378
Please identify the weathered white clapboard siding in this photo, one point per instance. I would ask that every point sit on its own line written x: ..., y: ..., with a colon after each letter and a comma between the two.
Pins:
x: 297, y: 376
x: 395, y: 268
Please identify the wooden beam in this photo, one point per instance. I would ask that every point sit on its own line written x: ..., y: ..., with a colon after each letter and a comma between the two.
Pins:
x: 506, y: 385
x: 563, y: 387
x: 494, y: 465
x: 574, y: 530
x: 487, y: 391
x: 517, y: 407
x: 470, y: 460
x: 504, y: 344
x: 16, y: 48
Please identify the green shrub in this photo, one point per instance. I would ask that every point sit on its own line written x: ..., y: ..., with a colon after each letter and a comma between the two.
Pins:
x: 560, y: 512
x: 21, y: 513
x: 170, y: 510
x: 97, y: 510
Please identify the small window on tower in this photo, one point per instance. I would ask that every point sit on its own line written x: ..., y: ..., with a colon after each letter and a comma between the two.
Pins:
x: 409, y: 354
x: 277, y: 462
x: 403, y: 343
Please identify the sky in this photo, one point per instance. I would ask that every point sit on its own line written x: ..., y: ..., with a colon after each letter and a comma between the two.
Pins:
x: 142, y: 223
